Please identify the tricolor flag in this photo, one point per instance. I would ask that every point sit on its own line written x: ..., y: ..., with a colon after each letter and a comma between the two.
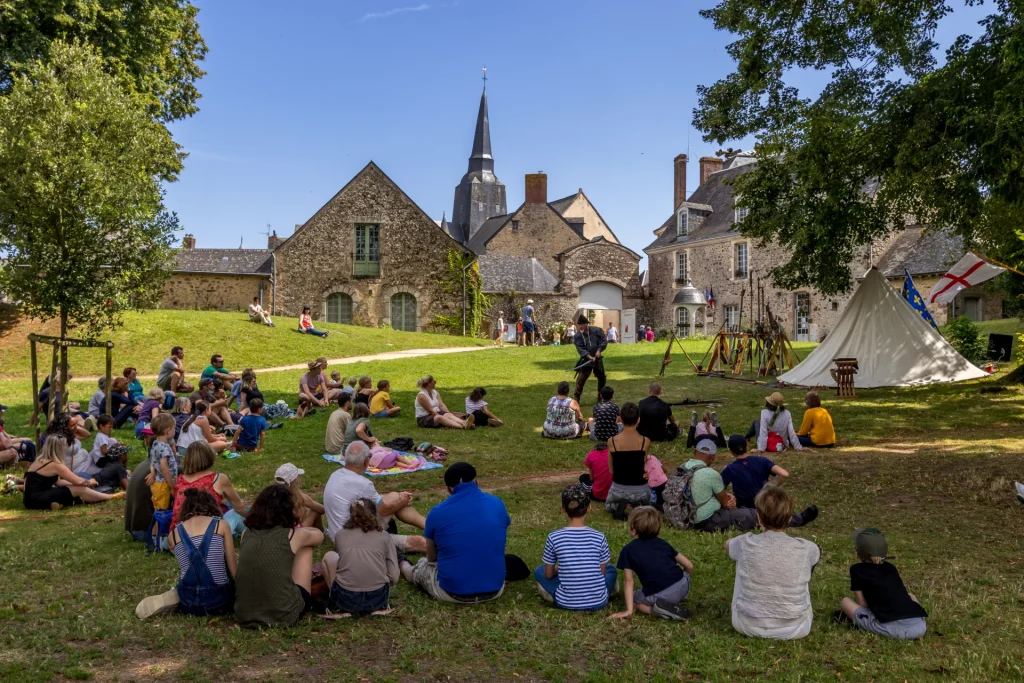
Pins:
x: 913, y: 298
x: 969, y: 271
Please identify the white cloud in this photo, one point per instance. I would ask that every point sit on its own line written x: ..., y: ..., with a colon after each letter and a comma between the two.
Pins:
x: 393, y: 12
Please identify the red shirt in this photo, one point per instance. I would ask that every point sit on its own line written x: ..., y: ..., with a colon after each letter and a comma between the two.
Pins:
x: 650, y: 335
x: 597, y: 463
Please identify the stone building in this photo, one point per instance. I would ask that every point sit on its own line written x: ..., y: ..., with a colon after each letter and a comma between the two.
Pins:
x: 700, y: 243
x: 371, y: 256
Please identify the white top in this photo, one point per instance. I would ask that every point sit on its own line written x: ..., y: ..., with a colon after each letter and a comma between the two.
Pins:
x: 193, y: 433
x: 432, y: 399
x: 98, y: 443
x: 473, y: 406
x: 773, y: 570
x: 612, y: 334
x: 344, y: 488
x: 80, y: 460
x: 783, y: 426
x: 254, y: 309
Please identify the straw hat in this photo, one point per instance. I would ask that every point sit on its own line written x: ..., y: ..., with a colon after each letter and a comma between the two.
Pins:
x: 776, y: 399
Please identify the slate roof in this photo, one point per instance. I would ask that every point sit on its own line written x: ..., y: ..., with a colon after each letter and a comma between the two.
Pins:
x: 921, y: 252
x: 502, y: 273
x: 560, y: 205
x: 719, y: 223
x: 229, y: 261
x: 488, y: 229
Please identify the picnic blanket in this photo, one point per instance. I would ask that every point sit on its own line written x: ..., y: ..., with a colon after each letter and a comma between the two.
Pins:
x: 374, y: 472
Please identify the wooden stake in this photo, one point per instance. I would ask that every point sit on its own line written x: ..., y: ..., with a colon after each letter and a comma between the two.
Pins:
x: 35, y: 388
x: 110, y: 363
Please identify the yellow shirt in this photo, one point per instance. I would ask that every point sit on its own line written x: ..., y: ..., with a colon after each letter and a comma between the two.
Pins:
x: 818, y: 424
x: 379, y: 402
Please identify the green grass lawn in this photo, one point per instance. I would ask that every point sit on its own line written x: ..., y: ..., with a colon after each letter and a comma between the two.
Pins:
x: 933, y: 467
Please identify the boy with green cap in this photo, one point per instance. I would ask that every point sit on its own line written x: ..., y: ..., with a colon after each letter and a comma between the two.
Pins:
x: 882, y: 606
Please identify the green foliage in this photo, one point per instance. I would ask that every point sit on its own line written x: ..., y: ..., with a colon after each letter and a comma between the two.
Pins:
x: 893, y: 133
x: 154, y: 44
x: 476, y: 301
x: 82, y: 220
x: 966, y: 338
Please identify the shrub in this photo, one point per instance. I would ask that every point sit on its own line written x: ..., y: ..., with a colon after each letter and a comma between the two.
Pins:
x: 965, y: 337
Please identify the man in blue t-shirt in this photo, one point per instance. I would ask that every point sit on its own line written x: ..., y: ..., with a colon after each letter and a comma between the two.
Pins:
x: 529, y: 326
x: 465, y: 535
x: 748, y: 473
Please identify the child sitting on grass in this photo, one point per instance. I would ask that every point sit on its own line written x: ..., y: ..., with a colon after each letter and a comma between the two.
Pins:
x: 365, y: 391
x: 657, y: 477
x: 599, y: 478
x: 748, y: 474
x: 252, y: 429
x: 380, y: 402
x: 663, y: 571
x: 103, y: 440
x: 770, y: 597
x: 576, y: 573
x: 882, y: 606
x: 163, y: 461
x: 476, y: 408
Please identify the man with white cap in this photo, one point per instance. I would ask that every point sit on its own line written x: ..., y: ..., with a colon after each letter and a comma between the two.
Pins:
x: 348, y: 484
x: 716, y: 508
x: 312, y: 511
x: 529, y: 326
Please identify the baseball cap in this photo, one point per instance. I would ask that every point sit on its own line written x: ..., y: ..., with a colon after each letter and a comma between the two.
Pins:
x: 459, y: 473
x: 287, y: 473
x: 574, y: 497
x: 870, y: 543
x: 707, y: 447
x: 737, y: 444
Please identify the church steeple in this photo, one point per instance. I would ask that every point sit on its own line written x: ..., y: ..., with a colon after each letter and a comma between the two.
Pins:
x: 480, y: 195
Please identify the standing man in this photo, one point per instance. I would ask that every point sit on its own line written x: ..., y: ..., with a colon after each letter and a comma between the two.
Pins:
x: 500, y: 341
x: 613, y: 334
x: 529, y: 326
x: 590, y: 344
x: 172, y: 373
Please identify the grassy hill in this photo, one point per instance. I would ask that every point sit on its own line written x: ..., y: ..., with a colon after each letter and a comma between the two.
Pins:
x: 146, y: 338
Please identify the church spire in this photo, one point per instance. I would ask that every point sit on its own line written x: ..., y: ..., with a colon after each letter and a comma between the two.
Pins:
x: 481, y: 159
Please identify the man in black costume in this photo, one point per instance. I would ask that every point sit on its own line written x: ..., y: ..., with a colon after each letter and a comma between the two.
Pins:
x: 590, y: 344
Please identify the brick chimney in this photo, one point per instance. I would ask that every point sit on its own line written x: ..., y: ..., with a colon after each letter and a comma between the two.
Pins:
x: 273, y: 240
x: 680, y: 181
x: 709, y: 165
x: 188, y: 242
x: 536, y: 188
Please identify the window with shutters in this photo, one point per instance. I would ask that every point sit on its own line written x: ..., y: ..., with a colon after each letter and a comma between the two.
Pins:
x: 367, y: 251
x: 403, y: 312
x: 339, y: 308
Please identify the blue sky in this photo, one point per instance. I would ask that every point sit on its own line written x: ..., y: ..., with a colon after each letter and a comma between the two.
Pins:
x: 299, y: 96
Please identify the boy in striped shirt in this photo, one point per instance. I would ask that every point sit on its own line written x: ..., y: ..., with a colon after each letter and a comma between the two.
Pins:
x: 577, y: 573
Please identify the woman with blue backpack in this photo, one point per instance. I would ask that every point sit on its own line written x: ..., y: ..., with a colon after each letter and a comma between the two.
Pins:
x: 207, y: 563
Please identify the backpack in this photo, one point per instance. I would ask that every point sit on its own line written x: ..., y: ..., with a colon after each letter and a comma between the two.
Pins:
x: 680, y: 508
x: 156, y: 540
x: 775, y: 443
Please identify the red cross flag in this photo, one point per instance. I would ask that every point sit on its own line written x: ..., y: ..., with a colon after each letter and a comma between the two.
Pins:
x: 969, y: 271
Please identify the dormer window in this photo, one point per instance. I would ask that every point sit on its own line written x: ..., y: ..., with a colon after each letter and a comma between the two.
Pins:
x: 683, y: 222
x: 739, y: 212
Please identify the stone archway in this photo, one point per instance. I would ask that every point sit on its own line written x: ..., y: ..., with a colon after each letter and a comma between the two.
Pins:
x: 348, y: 290
x: 422, y: 305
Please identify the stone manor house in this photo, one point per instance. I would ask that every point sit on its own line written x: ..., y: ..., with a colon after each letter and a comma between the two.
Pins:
x: 700, y: 244
x: 561, y: 253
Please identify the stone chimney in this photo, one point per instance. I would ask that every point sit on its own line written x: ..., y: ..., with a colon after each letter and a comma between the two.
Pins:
x: 273, y: 240
x: 709, y: 165
x: 536, y: 188
x: 188, y: 242
x: 680, y: 181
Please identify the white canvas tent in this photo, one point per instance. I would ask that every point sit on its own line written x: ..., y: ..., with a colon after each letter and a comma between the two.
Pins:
x: 892, y: 343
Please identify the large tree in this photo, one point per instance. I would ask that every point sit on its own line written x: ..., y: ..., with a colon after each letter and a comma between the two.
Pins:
x: 83, y: 227
x: 154, y: 44
x: 896, y: 134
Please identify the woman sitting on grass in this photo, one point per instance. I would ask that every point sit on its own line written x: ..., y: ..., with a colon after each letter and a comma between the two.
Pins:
x: 275, y: 562
x: 306, y: 324
x: 774, y: 430
x: 362, y: 573
x: 50, y: 485
x: 313, y: 388
x: 197, y: 473
x: 627, y: 461
x: 207, y: 563
x: 564, y: 419
x: 122, y: 407
x: 199, y: 429
x: 431, y: 410
x: 476, y: 408
x: 359, y: 427
x: 816, y: 430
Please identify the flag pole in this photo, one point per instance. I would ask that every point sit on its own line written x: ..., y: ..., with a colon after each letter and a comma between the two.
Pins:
x: 994, y: 262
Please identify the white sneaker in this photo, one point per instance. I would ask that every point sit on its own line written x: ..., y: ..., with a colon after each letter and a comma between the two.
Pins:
x: 1020, y: 491
x: 158, y: 604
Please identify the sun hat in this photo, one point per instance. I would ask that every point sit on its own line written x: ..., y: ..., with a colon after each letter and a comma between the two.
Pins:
x: 707, y: 447
x: 287, y: 473
x: 529, y: 301
x: 776, y: 399
x: 870, y: 543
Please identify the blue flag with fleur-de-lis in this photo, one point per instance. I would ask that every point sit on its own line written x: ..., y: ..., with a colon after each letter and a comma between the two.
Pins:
x: 915, y: 299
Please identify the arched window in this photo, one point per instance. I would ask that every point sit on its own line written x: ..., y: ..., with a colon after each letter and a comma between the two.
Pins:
x: 403, y: 312
x: 339, y: 308
x: 682, y: 322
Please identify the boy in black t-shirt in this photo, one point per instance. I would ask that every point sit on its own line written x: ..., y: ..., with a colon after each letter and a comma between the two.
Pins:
x: 882, y: 606
x: 748, y: 474
x: 664, y: 572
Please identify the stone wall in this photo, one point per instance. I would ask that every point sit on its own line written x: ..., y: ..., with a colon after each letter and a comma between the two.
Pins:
x: 318, y: 259
x: 213, y: 291
x: 542, y: 234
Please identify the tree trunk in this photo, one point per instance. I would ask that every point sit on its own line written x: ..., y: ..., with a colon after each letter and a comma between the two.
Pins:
x: 1014, y: 377
x: 63, y: 360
